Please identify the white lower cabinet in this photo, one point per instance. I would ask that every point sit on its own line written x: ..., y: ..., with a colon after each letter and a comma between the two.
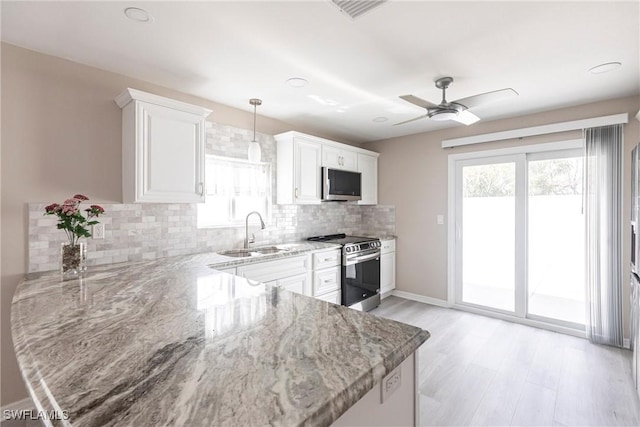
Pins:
x: 298, y: 284
x: 333, y: 297
x: 327, y: 275
x: 289, y: 273
x: 317, y: 274
x: 387, y: 266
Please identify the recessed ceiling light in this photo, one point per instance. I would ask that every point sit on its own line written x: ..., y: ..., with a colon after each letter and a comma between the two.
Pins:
x: 138, y: 15
x: 297, y: 82
x: 604, y: 68
x: 380, y: 119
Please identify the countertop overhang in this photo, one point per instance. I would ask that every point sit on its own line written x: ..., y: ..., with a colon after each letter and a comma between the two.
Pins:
x: 173, y: 341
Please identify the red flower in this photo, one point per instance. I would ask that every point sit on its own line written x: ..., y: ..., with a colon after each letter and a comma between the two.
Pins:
x: 71, y: 202
x: 97, y: 208
x: 54, y: 207
x: 80, y: 197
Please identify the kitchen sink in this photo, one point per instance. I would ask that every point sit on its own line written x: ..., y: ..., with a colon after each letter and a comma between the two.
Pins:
x: 237, y: 253
x: 252, y: 252
x: 269, y: 250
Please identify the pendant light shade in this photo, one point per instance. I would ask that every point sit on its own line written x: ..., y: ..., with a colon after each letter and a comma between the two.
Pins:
x: 255, y: 153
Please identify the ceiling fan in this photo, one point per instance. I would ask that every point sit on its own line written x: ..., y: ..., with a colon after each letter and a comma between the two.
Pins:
x: 456, y: 110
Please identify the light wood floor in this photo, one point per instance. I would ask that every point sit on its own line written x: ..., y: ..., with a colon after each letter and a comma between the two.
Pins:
x: 476, y: 370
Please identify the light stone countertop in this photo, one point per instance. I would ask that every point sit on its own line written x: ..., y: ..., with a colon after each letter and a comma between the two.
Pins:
x: 174, y: 342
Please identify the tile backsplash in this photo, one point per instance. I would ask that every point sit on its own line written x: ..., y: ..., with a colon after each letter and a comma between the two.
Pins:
x: 147, y: 231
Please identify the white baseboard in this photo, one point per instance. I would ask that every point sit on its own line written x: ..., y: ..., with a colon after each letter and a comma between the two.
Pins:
x: 21, y: 405
x: 421, y: 298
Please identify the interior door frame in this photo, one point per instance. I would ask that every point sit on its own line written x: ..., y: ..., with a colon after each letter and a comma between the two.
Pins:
x: 454, y: 283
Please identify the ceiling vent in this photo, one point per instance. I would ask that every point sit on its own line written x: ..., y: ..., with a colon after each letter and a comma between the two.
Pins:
x: 355, y: 8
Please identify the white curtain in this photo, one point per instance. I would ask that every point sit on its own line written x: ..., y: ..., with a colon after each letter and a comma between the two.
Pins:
x: 603, y: 209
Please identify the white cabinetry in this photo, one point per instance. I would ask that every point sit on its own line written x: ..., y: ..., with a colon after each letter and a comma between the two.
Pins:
x: 290, y: 273
x: 339, y: 158
x: 298, y: 170
x: 368, y: 168
x: 162, y: 149
x: 387, y: 266
x: 327, y: 275
x: 299, y: 161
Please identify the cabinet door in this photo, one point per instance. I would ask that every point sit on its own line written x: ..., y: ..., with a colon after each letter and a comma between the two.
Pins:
x: 349, y: 160
x: 331, y: 157
x: 306, y: 171
x: 298, y: 284
x: 387, y: 272
x: 338, y: 158
x: 170, y: 155
x: 368, y: 167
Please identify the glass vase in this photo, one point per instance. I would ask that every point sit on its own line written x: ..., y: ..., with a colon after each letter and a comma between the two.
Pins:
x: 73, y: 259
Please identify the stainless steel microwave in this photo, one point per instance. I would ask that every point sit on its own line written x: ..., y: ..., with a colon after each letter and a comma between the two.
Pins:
x: 340, y: 185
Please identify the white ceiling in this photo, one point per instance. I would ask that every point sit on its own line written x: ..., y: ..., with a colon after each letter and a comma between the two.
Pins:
x: 232, y: 51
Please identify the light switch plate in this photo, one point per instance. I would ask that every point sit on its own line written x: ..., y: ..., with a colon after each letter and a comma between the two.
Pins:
x: 440, y: 219
x: 97, y: 231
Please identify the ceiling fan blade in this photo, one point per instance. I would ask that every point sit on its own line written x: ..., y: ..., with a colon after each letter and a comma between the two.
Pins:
x: 412, y: 120
x: 485, y: 98
x: 466, y: 117
x: 418, y: 101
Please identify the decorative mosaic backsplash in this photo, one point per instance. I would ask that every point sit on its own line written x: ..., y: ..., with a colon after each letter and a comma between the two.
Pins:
x: 147, y: 231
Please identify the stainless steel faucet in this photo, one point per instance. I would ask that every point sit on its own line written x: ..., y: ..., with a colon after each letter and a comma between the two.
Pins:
x: 246, y: 229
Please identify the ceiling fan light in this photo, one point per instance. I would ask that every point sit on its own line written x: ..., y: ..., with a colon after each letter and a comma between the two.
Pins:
x: 443, y: 115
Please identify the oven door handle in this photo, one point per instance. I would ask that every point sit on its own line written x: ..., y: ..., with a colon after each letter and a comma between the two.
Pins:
x: 363, y: 258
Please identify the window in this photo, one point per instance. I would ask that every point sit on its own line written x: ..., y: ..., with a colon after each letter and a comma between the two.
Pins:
x: 234, y: 188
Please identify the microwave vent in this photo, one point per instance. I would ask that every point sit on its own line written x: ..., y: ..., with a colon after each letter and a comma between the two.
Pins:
x: 355, y: 8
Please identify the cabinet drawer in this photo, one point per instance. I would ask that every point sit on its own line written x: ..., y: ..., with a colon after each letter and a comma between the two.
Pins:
x: 333, y: 297
x: 230, y: 270
x: 326, y: 259
x: 326, y: 280
x: 273, y: 270
x: 388, y: 246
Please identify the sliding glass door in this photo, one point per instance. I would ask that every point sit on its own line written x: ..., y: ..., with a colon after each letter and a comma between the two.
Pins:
x: 487, y: 219
x: 556, y: 229
x: 519, y: 235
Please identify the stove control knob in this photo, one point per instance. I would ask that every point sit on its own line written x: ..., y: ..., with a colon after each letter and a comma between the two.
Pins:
x: 348, y: 249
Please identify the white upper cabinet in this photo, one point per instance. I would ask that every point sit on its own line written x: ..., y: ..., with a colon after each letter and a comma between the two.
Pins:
x: 339, y: 158
x: 368, y: 167
x: 298, y: 170
x: 163, y: 149
x: 300, y: 159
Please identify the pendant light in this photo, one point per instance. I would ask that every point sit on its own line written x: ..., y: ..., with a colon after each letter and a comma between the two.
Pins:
x: 254, y: 154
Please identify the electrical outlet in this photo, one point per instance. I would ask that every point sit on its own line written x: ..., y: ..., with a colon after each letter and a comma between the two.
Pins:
x: 97, y: 231
x: 390, y: 384
x: 440, y: 219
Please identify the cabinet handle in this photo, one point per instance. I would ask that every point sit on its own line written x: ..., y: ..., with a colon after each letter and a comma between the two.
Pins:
x: 201, y: 188
x: 327, y: 259
x: 296, y: 193
x: 327, y: 281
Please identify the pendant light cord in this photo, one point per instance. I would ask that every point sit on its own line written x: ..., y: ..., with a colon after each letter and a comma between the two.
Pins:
x: 255, y: 106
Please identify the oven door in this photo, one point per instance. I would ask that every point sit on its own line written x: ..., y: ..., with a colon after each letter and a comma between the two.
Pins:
x: 361, y: 279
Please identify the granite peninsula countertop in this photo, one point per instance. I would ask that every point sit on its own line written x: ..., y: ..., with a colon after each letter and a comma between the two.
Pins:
x: 174, y: 342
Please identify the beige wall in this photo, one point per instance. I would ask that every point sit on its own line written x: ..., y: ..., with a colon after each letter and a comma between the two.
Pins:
x: 418, y: 164
x: 61, y: 135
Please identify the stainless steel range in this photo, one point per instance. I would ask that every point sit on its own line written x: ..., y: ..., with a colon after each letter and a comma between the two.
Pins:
x: 360, y: 269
